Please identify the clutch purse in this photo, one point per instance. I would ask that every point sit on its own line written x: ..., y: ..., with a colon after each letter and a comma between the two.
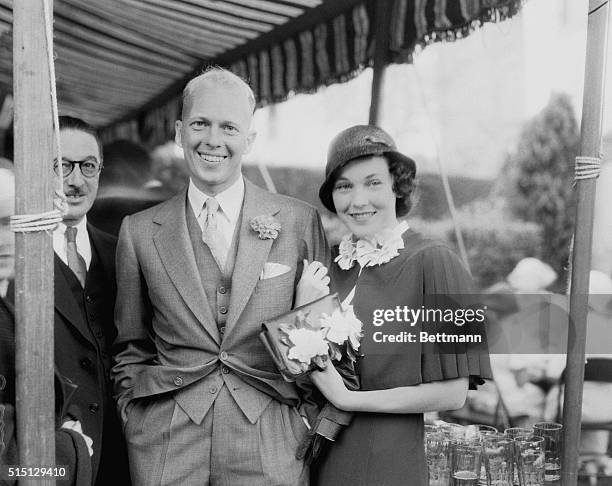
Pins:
x: 276, y: 335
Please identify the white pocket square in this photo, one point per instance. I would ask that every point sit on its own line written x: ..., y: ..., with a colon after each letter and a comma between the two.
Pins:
x: 272, y: 269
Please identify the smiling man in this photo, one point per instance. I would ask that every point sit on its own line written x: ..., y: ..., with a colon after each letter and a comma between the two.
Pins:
x: 84, y: 301
x: 201, y: 399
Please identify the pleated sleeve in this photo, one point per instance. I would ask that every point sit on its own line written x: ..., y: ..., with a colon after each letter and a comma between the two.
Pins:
x: 448, y: 288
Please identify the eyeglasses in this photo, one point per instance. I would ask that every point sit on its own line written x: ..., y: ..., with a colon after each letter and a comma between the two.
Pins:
x: 90, y: 167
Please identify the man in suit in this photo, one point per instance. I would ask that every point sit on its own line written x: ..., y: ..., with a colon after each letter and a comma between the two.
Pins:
x: 197, y: 275
x: 84, y: 301
x: 71, y: 445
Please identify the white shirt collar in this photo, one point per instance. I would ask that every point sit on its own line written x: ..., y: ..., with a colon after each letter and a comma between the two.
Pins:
x: 82, y: 241
x: 230, y: 200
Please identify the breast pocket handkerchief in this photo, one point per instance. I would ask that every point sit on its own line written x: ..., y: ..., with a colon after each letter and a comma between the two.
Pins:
x: 272, y: 269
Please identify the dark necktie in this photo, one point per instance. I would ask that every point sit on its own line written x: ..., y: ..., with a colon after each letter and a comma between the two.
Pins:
x: 75, y: 260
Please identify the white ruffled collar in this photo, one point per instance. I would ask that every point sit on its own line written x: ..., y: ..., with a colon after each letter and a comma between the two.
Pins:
x: 371, y: 251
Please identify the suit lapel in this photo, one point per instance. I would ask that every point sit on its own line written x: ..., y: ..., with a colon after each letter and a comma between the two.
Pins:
x: 65, y: 301
x: 105, y: 247
x: 174, y: 248
x: 252, y: 251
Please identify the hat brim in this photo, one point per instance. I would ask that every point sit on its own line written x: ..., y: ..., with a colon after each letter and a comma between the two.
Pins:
x: 326, y: 190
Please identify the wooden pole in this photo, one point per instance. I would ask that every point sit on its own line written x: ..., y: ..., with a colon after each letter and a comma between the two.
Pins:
x: 34, y: 251
x: 381, y: 36
x: 590, y: 146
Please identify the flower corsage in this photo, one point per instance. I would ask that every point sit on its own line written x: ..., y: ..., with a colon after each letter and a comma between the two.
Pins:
x: 267, y: 226
x: 375, y: 250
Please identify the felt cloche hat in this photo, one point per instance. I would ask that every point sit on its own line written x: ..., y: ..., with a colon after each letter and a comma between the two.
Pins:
x: 353, y: 143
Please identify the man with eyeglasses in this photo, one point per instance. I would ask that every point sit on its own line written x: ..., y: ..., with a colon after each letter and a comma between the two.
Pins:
x: 84, y: 301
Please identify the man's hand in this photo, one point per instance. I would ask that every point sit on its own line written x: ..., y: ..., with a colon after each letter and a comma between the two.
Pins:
x: 313, y: 284
x: 76, y: 426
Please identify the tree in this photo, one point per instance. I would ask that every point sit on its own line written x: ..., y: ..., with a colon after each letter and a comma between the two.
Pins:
x: 538, y: 178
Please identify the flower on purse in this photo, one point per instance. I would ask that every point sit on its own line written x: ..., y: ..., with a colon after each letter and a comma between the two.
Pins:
x: 306, y: 341
x: 307, y: 344
x: 267, y: 227
x: 342, y: 327
x: 313, y: 339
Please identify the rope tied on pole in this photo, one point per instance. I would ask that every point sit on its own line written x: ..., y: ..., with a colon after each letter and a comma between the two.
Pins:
x: 29, y: 223
x: 587, y: 168
x: 47, y: 221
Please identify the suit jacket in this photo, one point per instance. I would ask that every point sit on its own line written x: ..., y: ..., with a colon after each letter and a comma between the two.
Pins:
x: 84, y: 332
x: 70, y: 447
x: 167, y: 334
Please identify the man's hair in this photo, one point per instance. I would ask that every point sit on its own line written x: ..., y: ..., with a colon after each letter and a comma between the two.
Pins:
x: 126, y: 163
x: 73, y: 123
x: 219, y: 76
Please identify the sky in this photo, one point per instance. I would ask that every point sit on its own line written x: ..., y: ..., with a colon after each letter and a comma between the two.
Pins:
x: 459, y: 108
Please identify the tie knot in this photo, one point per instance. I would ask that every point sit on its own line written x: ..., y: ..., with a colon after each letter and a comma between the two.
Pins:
x: 71, y: 233
x: 211, y: 205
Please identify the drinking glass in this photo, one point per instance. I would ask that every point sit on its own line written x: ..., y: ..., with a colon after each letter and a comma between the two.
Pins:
x: 478, y: 431
x: 551, y: 432
x: 438, y: 458
x: 466, y: 459
x: 498, y: 459
x: 452, y: 431
x: 515, y: 433
x: 530, y: 460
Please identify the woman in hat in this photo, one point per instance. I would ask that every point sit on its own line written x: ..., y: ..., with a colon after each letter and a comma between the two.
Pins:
x: 384, y: 269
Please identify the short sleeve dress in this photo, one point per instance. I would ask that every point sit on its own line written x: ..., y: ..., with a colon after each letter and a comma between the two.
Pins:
x: 385, y: 449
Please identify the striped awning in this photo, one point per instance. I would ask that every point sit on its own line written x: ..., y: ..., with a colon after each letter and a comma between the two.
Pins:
x: 121, y: 64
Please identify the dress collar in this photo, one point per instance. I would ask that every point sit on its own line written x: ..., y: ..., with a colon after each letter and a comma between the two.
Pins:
x: 371, y: 251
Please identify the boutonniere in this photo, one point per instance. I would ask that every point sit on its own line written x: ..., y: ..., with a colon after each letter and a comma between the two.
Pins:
x: 267, y: 227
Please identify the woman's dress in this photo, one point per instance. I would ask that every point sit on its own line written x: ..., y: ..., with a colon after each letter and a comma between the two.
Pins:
x: 385, y: 449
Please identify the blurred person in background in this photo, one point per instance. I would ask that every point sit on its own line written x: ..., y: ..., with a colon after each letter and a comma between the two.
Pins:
x: 72, y: 446
x: 597, y: 389
x: 127, y: 185
x: 521, y: 312
x: 169, y: 167
x: 7, y: 239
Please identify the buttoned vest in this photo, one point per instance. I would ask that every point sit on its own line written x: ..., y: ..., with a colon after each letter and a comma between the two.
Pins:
x: 217, y: 283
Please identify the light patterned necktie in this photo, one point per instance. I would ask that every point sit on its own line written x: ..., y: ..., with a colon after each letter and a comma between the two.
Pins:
x: 75, y: 260
x: 211, y: 234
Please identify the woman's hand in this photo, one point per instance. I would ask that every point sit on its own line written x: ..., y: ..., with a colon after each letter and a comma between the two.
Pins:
x: 330, y: 383
x: 313, y: 284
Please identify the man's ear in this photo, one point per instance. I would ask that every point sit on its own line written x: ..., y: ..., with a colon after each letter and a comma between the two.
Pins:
x: 178, y: 127
x: 250, y: 140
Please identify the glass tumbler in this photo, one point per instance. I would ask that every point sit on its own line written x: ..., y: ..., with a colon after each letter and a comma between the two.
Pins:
x: 530, y: 460
x: 499, y: 460
x: 466, y: 459
x: 437, y: 454
x: 551, y: 432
